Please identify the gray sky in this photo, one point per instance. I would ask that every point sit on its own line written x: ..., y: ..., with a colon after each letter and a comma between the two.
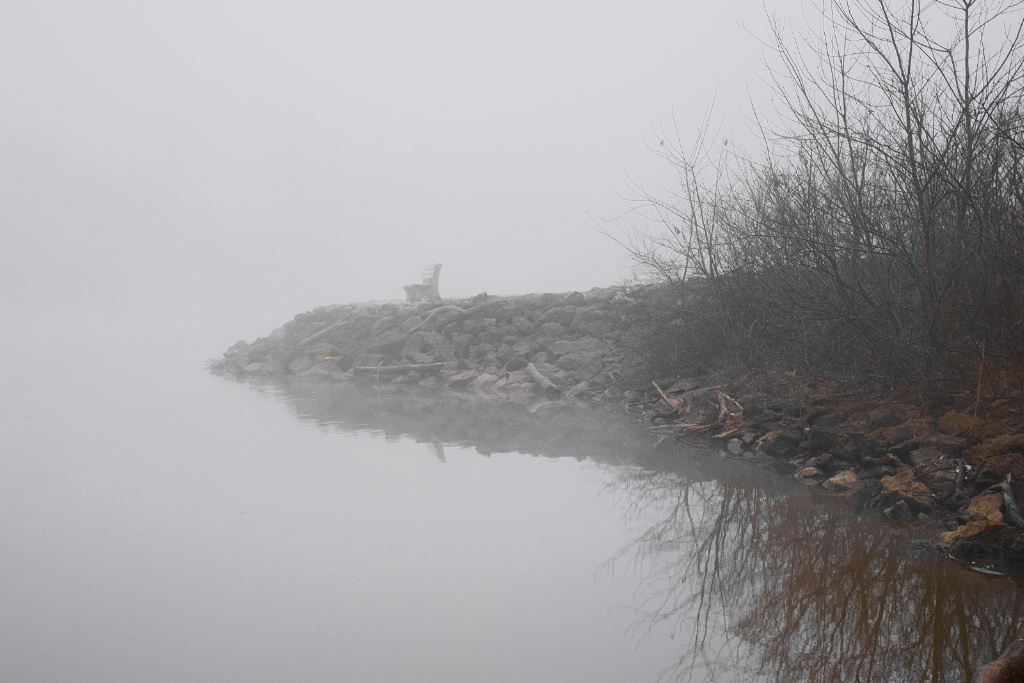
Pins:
x: 290, y: 154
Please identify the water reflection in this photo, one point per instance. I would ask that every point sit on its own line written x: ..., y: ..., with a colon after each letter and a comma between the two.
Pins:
x: 795, y: 590
x: 554, y: 429
x: 759, y: 580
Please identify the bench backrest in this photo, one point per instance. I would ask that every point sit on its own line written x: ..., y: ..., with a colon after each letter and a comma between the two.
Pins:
x: 431, y: 274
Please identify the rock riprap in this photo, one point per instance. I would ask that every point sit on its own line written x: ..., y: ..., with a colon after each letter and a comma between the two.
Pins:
x: 905, y: 458
x: 494, y: 346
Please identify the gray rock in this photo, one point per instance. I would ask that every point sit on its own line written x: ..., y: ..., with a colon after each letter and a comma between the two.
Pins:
x: 900, y: 512
x: 324, y: 372
x: 572, y: 361
x: 926, y: 456
x: 526, y: 347
x: 591, y: 368
x: 597, y: 328
x: 488, y: 336
x: 483, y: 381
x: 410, y: 323
x: 416, y: 343
x: 584, y: 345
x: 480, y: 350
x: 503, y: 354
x: 576, y: 298
x: 382, y: 325
x: 460, y: 344
x: 300, y: 363
x: 553, y: 314
x: 523, y: 326
x: 551, y: 329
x: 822, y: 461
x: 463, y: 378
x: 388, y: 344
x: 516, y: 362
x: 238, y: 347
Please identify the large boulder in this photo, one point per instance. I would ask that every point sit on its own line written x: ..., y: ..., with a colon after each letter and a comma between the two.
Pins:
x: 846, y: 481
x: 984, y: 527
x: 903, y: 486
x: 997, y: 446
x: 961, y: 424
x: 584, y: 345
x: 388, y: 344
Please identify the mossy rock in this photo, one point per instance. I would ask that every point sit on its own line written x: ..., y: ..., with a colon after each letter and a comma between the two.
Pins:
x: 903, y: 486
x: 961, y: 424
x: 997, y: 446
x: 987, y: 507
x: 979, y: 531
x: 890, y: 436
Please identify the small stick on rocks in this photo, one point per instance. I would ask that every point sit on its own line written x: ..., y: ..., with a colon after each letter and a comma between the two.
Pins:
x: 672, y: 402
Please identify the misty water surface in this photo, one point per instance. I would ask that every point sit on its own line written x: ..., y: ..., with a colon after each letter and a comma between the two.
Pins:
x: 162, y: 524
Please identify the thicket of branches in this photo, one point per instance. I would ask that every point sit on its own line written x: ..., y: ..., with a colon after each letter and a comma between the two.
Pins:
x: 881, y: 228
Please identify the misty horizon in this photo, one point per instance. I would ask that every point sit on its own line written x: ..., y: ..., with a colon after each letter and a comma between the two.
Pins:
x: 279, y: 157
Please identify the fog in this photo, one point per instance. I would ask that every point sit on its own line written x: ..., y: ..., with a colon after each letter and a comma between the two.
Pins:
x: 176, y: 175
x: 263, y: 158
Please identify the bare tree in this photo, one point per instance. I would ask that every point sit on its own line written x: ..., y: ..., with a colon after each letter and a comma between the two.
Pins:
x: 882, y: 229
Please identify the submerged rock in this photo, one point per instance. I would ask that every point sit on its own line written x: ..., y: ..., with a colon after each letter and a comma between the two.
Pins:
x: 846, y: 481
x: 900, y: 512
x: 812, y: 476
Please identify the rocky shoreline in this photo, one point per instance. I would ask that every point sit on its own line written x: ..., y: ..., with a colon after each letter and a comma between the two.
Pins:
x: 925, y: 463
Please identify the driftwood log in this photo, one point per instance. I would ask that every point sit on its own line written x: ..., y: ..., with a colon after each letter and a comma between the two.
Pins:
x: 551, y: 389
x: 317, y: 335
x: 396, y: 369
x: 452, y: 308
x: 671, y: 401
x: 728, y: 406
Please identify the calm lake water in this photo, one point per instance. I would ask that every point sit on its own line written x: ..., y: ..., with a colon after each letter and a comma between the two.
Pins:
x: 161, y: 524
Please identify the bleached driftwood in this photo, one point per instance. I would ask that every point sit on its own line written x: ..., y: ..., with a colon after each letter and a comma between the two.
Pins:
x: 550, y: 388
x: 397, y: 369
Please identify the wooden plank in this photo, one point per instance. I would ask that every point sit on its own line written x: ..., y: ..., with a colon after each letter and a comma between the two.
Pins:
x: 397, y: 369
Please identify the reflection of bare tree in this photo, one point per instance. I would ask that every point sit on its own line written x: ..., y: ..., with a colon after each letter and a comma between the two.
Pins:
x: 782, y: 588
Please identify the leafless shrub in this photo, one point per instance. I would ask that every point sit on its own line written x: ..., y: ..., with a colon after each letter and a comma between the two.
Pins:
x: 882, y: 230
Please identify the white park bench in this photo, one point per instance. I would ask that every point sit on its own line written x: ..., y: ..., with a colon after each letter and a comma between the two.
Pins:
x: 428, y: 289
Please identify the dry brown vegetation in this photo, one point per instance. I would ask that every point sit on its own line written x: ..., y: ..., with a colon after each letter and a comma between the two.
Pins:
x: 880, y: 233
